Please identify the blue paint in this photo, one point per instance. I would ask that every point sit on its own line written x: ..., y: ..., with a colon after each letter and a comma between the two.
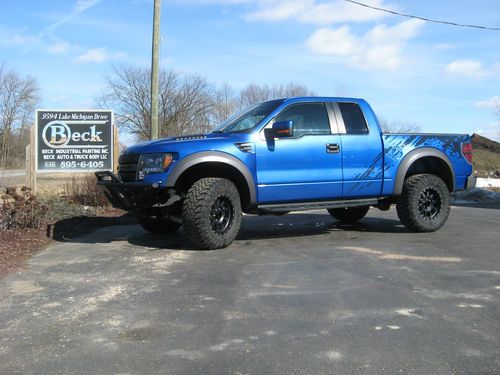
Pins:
x: 300, y: 168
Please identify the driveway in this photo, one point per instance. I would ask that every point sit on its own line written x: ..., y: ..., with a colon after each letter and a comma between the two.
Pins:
x: 295, y: 294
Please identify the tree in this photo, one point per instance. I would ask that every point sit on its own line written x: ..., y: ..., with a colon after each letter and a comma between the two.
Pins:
x: 184, y: 105
x: 188, y: 103
x: 225, y: 103
x: 18, y: 99
x: 399, y: 126
x: 254, y: 93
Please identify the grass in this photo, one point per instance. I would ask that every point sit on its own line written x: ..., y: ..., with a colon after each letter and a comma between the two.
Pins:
x: 485, y: 162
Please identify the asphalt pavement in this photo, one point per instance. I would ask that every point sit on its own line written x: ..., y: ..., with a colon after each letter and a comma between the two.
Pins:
x: 295, y: 294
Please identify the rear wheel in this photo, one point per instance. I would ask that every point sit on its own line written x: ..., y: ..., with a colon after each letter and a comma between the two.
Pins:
x: 212, y: 213
x: 349, y: 215
x: 424, y: 204
x: 157, y: 225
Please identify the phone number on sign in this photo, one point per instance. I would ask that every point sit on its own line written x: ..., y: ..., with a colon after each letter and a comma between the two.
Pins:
x: 82, y: 164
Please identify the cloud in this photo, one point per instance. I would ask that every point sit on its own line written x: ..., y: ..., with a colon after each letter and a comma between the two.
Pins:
x: 59, y: 47
x: 491, y: 131
x: 467, y: 68
x: 280, y: 10
x: 12, y: 37
x: 98, y: 55
x: 79, y: 7
x: 490, y: 103
x: 309, y: 11
x: 381, y: 47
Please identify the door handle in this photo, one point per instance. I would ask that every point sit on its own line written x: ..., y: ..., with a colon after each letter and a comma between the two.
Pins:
x: 332, y: 148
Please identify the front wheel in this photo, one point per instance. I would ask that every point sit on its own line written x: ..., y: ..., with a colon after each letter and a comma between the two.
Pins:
x: 349, y: 215
x: 211, y: 213
x: 424, y: 204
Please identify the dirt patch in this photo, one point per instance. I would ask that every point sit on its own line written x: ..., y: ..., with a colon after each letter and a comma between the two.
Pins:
x: 16, y: 246
x: 19, y: 245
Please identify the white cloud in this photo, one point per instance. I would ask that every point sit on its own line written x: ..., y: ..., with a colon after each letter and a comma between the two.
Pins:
x: 79, y: 7
x: 309, y: 11
x: 59, y: 47
x: 381, y: 47
x: 96, y: 55
x: 491, y: 131
x: 490, y: 103
x: 280, y: 10
x: 467, y: 68
x: 341, y: 11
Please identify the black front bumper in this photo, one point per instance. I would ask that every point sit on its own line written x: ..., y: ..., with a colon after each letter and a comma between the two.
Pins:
x: 133, y: 196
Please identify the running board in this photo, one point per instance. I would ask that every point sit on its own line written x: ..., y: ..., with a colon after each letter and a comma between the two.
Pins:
x: 304, y: 206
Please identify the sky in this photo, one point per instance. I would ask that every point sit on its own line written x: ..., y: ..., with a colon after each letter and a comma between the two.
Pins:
x: 443, y: 78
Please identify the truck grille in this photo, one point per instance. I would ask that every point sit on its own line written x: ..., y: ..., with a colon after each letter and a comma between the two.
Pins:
x: 127, y: 167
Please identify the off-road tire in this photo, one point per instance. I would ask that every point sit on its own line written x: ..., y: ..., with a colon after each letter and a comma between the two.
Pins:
x: 349, y: 215
x: 424, y: 204
x: 211, y: 213
x: 158, y: 225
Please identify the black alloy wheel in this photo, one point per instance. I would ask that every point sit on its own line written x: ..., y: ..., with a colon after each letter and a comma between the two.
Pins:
x: 429, y: 203
x: 221, y: 215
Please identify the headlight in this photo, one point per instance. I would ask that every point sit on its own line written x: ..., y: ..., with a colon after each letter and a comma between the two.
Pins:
x: 153, y: 163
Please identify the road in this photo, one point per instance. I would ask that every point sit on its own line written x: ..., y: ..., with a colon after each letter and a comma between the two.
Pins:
x: 12, y: 177
x: 295, y: 294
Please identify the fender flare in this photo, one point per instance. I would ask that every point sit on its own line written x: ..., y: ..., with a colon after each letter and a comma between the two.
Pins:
x: 412, y: 157
x: 217, y: 157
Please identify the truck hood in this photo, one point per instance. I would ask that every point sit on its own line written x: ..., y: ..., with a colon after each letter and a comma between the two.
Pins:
x: 178, y: 143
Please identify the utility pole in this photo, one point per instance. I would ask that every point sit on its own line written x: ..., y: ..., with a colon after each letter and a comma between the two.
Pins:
x: 154, y: 69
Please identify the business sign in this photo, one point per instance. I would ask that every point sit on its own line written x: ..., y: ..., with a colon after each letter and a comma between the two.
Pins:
x: 74, y: 140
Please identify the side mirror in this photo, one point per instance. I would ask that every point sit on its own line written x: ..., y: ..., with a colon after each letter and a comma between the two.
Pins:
x: 280, y: 129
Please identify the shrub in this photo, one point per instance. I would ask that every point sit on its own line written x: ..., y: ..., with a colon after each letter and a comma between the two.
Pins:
x: 20, y: 209
x: 84, y: 191
x: 60, y: 208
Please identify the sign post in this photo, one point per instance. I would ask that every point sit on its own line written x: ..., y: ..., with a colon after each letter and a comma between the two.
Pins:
x: 74, y: 141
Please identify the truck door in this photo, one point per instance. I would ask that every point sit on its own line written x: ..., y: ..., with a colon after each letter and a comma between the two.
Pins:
x: 362, y: 151
x: 306, y: 166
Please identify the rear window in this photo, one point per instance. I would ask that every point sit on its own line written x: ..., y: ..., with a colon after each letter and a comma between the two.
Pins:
x: 354, y: 120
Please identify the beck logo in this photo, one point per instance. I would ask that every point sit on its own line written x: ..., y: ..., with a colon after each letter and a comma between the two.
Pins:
x: 57, y: 134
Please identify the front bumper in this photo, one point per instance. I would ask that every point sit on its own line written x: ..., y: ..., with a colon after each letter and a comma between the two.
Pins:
x: 471, y: 182
x: 134, y: 196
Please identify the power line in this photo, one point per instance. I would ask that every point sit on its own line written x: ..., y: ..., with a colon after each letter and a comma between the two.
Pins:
x: 423, y: 18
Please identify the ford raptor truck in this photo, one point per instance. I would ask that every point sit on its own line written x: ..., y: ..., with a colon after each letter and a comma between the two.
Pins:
x: 293, y: 154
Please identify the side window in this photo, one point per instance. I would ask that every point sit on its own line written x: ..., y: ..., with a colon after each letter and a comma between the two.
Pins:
x: 308, y: 119
x: 354, y: 120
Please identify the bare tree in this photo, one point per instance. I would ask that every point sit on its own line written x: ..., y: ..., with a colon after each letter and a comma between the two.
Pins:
x: 225, y: 103
x: 254, y: 93
x: 188, y: 103
x: 18, y: 98
x: 399, y: 126
x: 184, y: 101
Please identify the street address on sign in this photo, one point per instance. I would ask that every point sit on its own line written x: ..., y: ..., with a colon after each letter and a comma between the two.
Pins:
x: 74, y: 140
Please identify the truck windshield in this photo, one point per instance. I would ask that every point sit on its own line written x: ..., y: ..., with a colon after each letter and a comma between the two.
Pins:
x: 249, y: 118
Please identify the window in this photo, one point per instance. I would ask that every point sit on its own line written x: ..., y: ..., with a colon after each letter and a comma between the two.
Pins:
x: 354, y: 120
x: 308, y: 119
x: 248, y: 119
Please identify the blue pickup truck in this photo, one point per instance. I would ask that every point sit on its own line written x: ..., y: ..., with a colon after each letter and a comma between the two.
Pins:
x: 285, y: 155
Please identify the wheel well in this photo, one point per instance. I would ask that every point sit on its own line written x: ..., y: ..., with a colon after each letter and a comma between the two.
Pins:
x: 214, y: 169
x: 432, y: 165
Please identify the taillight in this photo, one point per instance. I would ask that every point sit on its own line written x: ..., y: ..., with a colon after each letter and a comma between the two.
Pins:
x: 467, y: 151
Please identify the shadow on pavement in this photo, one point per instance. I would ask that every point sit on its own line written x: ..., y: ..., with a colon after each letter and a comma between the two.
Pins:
x: 67, y: 230
x: 80, y: 230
